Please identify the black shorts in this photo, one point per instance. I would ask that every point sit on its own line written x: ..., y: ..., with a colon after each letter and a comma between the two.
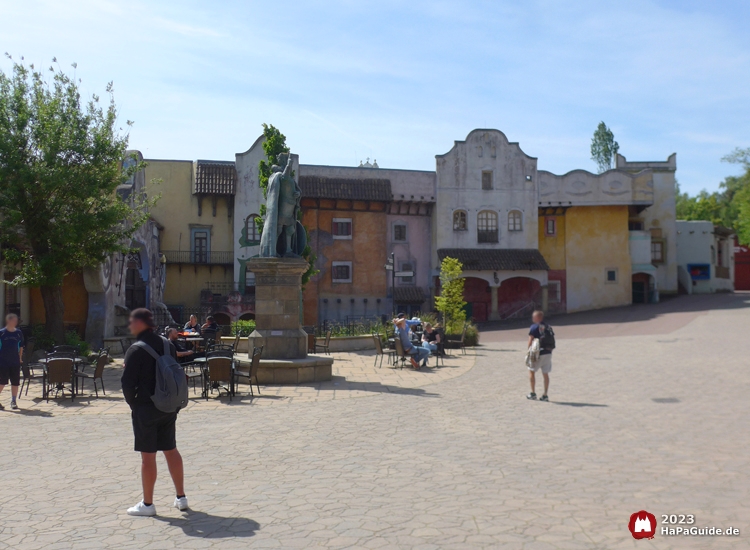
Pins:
x: 12, y: 373
x: 154, y: 430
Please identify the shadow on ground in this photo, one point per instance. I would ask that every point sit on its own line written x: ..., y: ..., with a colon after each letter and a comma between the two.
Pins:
x: 207, y: 526
x: 696, y: 303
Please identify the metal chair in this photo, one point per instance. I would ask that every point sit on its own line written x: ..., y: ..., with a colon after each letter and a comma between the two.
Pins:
x: 219, y: 371
x: 226, y: 348
x: 310, y: 342
x: 98, y: 373
x: 325, y: 346
x: 458, y: 344
x: 252, y: 372
x: 379, y: 351
x: 401, y: 353
x: 60, y: 371
x: 66, y: 349
x: 29, y: 369
x: 209, y: 337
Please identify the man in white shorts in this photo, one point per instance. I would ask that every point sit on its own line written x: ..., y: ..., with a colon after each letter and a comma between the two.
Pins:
x: 537, y: 330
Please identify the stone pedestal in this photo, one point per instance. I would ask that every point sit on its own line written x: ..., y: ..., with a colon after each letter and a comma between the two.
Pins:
x: 278, y: 308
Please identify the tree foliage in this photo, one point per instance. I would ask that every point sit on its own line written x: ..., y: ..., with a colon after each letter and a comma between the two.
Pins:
x: 729, y: 206
x: 61, y: 161
x: 273, y: 146
x: 451, y: 300
x: 604, y: 148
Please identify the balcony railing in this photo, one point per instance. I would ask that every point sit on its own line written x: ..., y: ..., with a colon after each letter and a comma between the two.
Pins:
x: 199, y: 257
x: 487, y: 236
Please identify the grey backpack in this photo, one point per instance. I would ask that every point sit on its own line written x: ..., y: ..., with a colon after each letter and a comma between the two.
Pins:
x: 171, y: 393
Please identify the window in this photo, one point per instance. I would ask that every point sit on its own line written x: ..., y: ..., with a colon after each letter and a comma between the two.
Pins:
x: 487, y: 227
x: 459, y: 220
x: 719, y: 253
x: 554, y: 295
x: 514, y: 220
x: 341, y: 228
x: 657, y: 251
x: 200, y: 246
x: 550, y: 226
x: 341, y: 272
x: 610, y: 275
x: 487, y: 180
x: 635, y: 225
x: 407, y: 266
x: 399, y: 232
x: 251, y: 230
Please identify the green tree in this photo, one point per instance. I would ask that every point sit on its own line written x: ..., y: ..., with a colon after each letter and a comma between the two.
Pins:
x: 737, y: 192
x: 273, y: 146
x: 60, y: 166
x: 604, y: 148
x: 451, y: 300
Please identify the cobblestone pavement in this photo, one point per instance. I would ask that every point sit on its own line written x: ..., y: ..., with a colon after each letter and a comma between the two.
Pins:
x: 654, y: 421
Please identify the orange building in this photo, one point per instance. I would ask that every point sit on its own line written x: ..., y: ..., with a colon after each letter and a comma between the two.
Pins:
x: 347, y: 224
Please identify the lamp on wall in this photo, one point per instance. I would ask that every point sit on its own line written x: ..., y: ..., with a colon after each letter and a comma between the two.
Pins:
x: 162, y: 259
x: 528, y: 178
x: 365, y: 300
x: 497, y: 279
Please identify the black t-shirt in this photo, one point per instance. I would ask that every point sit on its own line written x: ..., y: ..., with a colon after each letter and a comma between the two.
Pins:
x: 139, y: 377
x: 431, y: 336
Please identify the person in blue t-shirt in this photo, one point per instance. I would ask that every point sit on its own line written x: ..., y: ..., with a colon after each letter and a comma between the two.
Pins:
x: 11, y: 353
x: 544, y: 363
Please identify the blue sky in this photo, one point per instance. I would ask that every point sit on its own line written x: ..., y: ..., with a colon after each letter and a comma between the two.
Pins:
x: 400, y: 81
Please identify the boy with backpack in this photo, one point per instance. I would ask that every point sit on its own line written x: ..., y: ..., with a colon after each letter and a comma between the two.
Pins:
x: 541, y: 331
x: 155, y: 387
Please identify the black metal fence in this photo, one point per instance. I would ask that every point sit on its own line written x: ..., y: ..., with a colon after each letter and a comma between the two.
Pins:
x: 352, y: 326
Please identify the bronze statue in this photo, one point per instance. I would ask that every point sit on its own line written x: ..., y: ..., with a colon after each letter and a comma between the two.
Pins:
x: 283, y: 235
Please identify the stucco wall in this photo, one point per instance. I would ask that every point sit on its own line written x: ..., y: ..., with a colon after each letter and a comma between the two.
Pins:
x: 597, y: 239
x: 177, y: 212
x: 552, y: 247
x: 661, y: 215
x: 697, y: 244
x: 459, y: 186
x: 75, y: 301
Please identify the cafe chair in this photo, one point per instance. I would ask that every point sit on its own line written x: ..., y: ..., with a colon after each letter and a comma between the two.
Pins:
x: 325, y: 345
x: 98, y: 374
x: 251, y: 373
x: 60, y: 371
x: 219, y: 372
x: 380, y: 352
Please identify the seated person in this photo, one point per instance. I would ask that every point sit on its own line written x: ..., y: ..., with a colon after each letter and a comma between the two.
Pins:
x: 430, y: 338
x: 416, y: 354
x: 410, y: 323
x: 210, y: 324
x: 193, y: 325
x: 184, y: 355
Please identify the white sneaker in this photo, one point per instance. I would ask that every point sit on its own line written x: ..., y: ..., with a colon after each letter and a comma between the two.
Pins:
x: 141, y: 509
x: 181, y: 503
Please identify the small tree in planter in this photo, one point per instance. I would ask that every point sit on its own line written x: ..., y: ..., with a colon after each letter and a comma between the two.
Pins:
x: 451, y: 300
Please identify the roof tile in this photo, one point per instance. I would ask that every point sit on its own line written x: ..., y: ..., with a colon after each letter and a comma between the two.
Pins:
x: 319, y: 187
x: 497, y: 259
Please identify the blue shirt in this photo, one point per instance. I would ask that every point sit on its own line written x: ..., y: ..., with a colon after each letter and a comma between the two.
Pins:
x: 10, y: 345
x: 537, y: 331
x: 404, y: 334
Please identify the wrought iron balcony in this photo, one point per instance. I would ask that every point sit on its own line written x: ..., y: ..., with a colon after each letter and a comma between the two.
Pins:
x: 199, y: 257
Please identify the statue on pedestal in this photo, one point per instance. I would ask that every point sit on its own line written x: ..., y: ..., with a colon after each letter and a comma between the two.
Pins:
x: 283, y: 235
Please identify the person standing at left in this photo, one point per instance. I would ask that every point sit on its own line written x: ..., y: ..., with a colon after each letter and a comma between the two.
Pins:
x: 11, y: 354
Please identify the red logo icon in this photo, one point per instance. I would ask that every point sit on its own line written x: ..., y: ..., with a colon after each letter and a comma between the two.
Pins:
x: 642, y: 525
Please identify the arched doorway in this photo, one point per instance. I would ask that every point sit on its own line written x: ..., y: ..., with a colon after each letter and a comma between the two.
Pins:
x: 135, y: 286
x: 478, y: 298
x: 247, y: 317
x: 518, y: 297
x: 222, y: 319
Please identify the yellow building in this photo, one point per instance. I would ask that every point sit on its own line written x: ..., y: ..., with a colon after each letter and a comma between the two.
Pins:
x: 195, y: 207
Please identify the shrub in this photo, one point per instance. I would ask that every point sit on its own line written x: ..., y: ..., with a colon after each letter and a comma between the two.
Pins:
x: 472, y: 335
x: 243, y: 328
x: 42, y: 337
x: 73, y: 339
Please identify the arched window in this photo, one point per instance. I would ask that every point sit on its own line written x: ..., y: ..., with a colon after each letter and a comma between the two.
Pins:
x: 251, y: 230
x: 487, y: 226
x: 514, y: 220
x: 459, y: 220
